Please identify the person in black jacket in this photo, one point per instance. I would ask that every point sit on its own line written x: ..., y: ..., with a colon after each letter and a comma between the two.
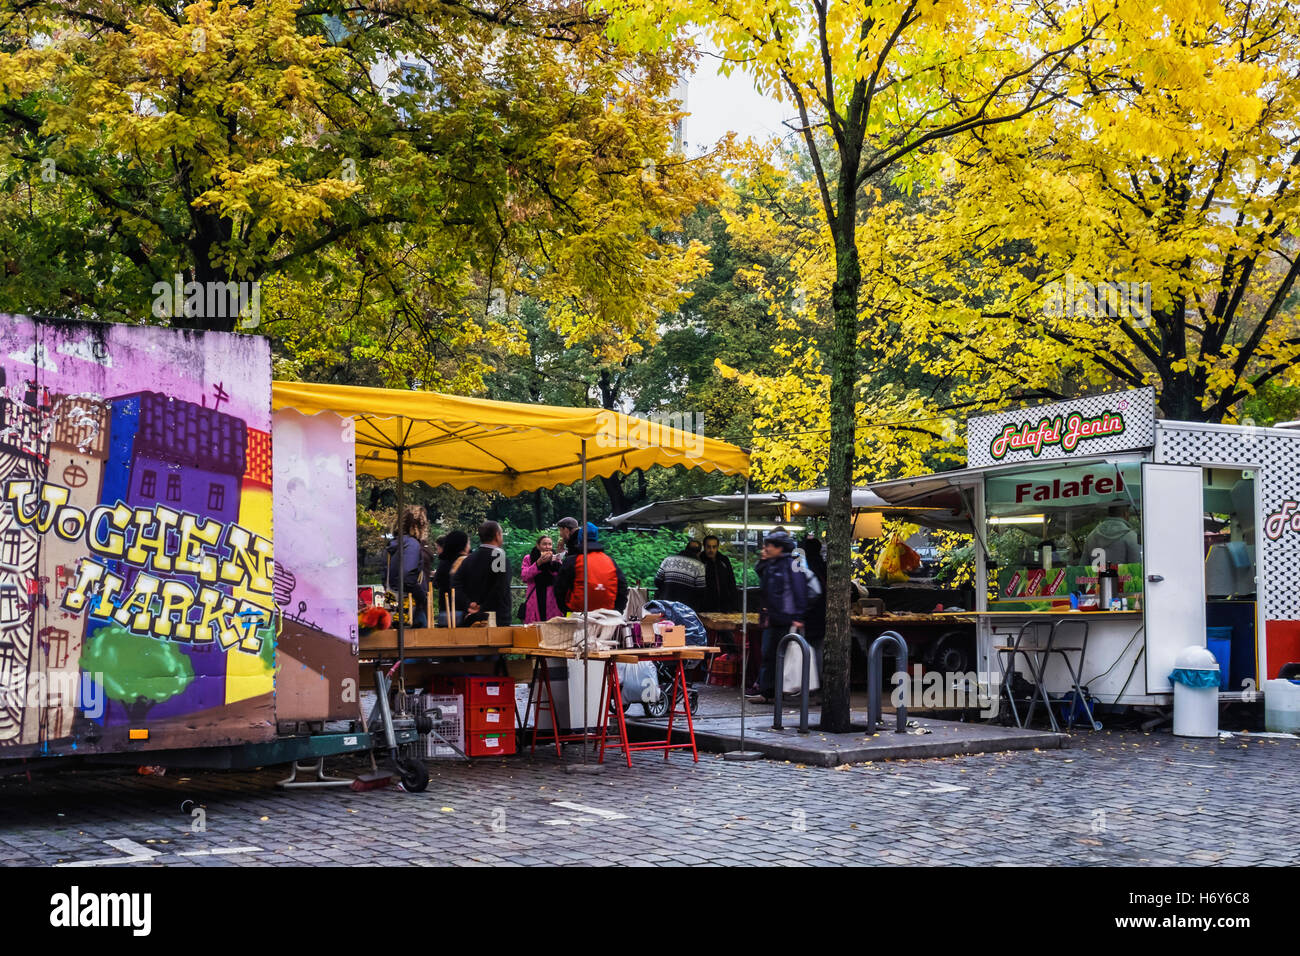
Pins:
x: 815, y: 616
x: 484, y: 578
x: 455, y: 545
x: 783, y: 595
x: 720, y: 591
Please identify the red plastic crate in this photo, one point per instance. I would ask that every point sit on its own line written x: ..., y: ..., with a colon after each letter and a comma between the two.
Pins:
x: 485, y: 691
x: 493, y: 744
x: 488, y: 719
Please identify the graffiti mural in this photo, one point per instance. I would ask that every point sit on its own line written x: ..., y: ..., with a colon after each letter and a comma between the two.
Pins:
x: 137, y: 572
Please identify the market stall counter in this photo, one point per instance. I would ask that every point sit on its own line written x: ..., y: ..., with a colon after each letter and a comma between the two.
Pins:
x: 429, y: 645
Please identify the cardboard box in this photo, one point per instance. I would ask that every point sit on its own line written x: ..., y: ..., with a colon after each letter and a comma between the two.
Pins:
x: 527, y: 635
x: 674, y: 636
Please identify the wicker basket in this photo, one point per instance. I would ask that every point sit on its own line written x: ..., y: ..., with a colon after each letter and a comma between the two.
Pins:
x: 559, y: 633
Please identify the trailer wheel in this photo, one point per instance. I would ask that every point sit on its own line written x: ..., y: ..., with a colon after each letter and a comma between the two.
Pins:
x: 953, y: 653
x: 415, y: 775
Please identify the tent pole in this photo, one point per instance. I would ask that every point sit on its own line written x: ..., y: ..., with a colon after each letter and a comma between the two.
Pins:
x: 586, y: 647
x: 401, y: 581
x: 744, y: 618
x: 742, y: 753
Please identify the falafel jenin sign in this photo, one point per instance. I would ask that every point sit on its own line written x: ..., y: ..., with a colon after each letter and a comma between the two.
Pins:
x: 1120, y: 421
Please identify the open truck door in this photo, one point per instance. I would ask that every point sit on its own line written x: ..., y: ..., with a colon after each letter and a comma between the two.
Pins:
x: 1174, y: 563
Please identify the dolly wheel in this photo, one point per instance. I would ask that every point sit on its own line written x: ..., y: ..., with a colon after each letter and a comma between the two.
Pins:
x: 415, y: 775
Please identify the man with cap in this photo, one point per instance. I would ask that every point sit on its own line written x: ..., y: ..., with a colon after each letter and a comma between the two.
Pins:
x: 567, y: 526
x: 783, y: 599
x: 606, y: 586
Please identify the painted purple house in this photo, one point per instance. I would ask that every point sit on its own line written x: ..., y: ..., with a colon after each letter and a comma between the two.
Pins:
x: 175, y: 453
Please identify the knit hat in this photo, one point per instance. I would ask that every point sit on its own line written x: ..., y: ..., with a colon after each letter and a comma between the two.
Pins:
x: 782, y: 540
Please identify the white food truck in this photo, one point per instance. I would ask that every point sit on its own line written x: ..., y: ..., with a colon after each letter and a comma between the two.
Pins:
x: 1191, y: 532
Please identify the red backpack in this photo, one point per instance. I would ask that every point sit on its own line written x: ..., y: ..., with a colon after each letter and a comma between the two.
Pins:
x: 602, y: 582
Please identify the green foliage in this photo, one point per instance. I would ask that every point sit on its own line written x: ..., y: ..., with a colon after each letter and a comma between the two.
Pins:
x: 1273, y: 403
x: 639, y: 553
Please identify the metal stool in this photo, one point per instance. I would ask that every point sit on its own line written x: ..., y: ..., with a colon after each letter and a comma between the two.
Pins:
x: 1076, y: 675
x: 1008, y: 654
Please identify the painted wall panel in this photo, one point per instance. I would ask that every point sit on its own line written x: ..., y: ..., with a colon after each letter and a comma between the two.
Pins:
x: 136, y: 554
x: 316, y: 567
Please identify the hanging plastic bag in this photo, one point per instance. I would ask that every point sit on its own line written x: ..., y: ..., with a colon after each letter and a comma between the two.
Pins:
x: 639, y: 683
x: 792, y: 674
x: 895, y: 561
x: 1194, y: 677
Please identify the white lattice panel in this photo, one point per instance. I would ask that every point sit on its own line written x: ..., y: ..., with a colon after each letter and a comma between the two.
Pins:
x: 1277, y: 454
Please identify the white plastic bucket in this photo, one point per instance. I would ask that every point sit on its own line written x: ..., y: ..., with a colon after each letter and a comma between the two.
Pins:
x: 1281, y: 707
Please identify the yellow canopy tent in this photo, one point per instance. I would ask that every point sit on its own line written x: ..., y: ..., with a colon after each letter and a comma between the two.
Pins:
x: 508, y: 447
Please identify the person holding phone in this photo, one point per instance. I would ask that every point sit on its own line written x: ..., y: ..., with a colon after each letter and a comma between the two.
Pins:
x: 538, y: 571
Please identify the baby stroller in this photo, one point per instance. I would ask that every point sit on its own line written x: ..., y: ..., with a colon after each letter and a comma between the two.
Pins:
x: 665, y: 672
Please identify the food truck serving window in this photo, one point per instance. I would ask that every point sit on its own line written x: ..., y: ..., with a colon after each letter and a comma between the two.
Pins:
x: 1050, y: 529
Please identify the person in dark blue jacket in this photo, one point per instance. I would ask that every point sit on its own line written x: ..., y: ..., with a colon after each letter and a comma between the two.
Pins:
x: 783, y: 598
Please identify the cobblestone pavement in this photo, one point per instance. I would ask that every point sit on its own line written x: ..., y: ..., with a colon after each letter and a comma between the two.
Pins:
x: 1108, y: 799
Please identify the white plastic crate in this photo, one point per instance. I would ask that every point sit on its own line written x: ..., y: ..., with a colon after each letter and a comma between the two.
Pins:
x: 451, y: 727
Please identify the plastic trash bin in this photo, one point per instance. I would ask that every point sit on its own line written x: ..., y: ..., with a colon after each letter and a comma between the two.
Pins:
x: 1196, y: 681
x: 1282, y: 706
x: 1218, y: 641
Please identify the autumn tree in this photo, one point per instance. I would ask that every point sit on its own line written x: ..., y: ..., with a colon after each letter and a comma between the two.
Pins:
x: 1141, y: 231
x: 394, y: 175
x: 882, y: 80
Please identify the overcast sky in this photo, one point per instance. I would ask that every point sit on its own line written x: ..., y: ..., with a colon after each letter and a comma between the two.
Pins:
x: 719, y: 104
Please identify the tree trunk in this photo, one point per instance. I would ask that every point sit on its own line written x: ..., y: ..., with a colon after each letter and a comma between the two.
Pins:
x: 839, y: 466
x: 618, y: 499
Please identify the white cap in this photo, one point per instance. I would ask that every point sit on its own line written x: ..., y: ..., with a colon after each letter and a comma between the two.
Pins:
x: 1197, y: 659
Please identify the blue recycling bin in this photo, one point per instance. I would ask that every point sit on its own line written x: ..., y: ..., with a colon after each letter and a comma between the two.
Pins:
x: 1218, y: 641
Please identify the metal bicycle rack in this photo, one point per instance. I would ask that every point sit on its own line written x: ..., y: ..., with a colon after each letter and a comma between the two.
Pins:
x: 780, y: 680
x: 875, y: 663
